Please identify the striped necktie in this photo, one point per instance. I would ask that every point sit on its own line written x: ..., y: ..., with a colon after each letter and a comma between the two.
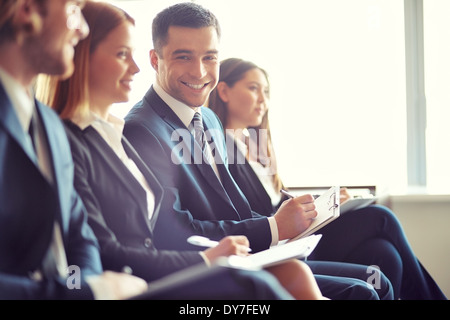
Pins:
x: 200, y: 136
x: 199, y: 131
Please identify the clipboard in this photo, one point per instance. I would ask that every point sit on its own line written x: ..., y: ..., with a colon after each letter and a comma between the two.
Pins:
x: 328, y: 209
x: 356, y: 203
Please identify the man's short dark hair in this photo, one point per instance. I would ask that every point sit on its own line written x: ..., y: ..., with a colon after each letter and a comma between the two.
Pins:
x: 186, y: 14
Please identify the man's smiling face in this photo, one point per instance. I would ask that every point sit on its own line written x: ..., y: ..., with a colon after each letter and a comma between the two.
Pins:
x: 189, y: 67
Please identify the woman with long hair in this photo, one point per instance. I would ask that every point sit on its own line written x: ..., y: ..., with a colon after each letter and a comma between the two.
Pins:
x: 369, y: 236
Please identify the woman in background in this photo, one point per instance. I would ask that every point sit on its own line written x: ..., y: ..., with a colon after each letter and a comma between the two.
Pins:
x: 369, y: 236
x: 122, y: 196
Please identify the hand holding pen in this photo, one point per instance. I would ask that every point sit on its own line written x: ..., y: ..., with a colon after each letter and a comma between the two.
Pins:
x: 295, y: 215
x: 290, y: 196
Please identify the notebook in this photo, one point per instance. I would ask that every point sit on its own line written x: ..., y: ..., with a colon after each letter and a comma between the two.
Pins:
x: 298, y: 249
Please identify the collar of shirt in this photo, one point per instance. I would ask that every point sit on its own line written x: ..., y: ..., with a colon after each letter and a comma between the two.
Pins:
x: 183, y: 111
x: 110, y: 129
x: 91, y: 118
x: 21, y: 100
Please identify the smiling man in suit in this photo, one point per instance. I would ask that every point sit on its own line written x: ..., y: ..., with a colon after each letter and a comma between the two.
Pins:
x: 163, y: 128
x: 43, y: 227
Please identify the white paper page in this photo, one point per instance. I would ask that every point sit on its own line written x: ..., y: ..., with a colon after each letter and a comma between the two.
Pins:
x: 297, y: 249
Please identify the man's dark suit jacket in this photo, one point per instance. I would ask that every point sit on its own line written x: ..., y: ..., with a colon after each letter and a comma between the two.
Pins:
x: 29, y: 206
x: 117, y: 207
x: 212, y: 208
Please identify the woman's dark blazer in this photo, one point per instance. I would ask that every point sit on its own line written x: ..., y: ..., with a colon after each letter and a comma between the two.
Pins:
x: 117, y: 209
x: 249, y: 182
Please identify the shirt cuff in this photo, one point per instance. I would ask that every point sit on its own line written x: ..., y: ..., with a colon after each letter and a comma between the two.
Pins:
x: 203, y: 255
x: 273, y: 230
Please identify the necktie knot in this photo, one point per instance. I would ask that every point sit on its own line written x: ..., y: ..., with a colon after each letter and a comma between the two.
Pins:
x: 197, y: 117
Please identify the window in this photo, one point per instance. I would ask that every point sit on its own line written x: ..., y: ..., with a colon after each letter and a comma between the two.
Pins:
x: 437, y: 88
x: 338, y: 84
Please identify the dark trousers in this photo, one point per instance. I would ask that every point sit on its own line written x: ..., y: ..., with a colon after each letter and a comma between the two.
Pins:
x: 216, y: 283
x: 348, y: 281
x: 336, y: 280
x: 374, y: 236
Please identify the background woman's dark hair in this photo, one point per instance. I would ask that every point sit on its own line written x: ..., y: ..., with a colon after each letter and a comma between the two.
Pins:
x: 231, y: 71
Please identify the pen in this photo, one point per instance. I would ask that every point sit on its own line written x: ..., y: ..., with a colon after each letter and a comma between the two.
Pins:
x: 204, y: 242
x: 290, y: 195
x: 287, y: 194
